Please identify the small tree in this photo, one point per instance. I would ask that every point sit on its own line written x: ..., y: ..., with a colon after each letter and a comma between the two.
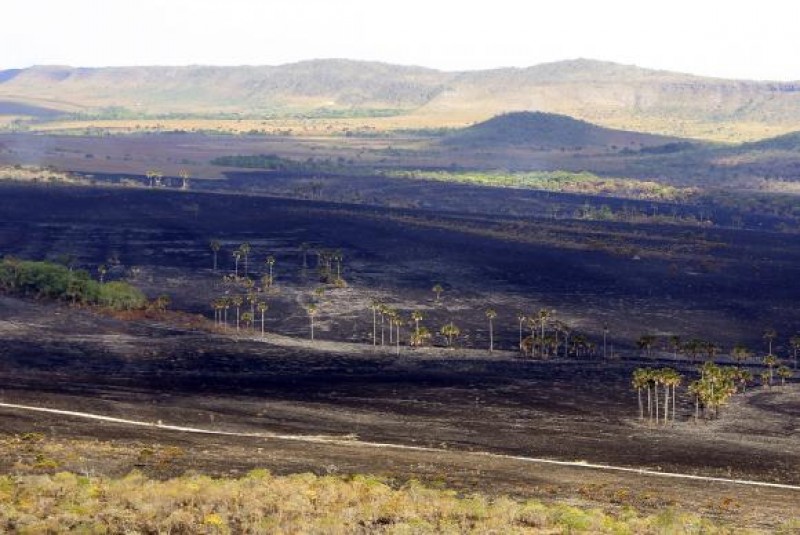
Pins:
x: 450, y: 331
x: 740, y: 353
x: 247, y: 319
x: 784, y: 373
x: 437, y: 289
x: 237, y: 302
x: 245, y: 251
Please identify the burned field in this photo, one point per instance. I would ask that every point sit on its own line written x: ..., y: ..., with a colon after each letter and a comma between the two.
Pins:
x: 724, y: 284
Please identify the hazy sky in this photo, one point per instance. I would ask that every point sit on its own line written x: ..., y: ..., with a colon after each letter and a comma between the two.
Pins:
x: 733, y: 39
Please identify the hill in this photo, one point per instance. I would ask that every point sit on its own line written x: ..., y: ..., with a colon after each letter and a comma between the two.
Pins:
x: 547, y: 131
x: 608, y: 94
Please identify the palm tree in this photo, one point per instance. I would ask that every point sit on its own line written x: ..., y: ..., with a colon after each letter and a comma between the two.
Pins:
x: 420, y: 337
x: 237, y: 255
x: 675, y: 344
x: 769, y: 336
x: 237, y: 302
x: 740, y: 353
x: 416, y: 317
x: 226, y: 304
x: 450, y: 331
x: 338, y: 257
x: 771, y: 361
x: 784, y: 373
x: 671, y: 379
x: 215, y: 245
x: 245, y: 249
x: 392, y: 315
x: 262, y: 307
x: 605, y: 338
x: 312, y: 311
x: 437, y: 289
x: 304, y: 250
x: 375, y: 306
x: 270, y: 261
x: 101, y: 271
x: 794, y: 341
x: 543, y: 317
x: 521, y: 319
x: 490, y: 315
x: 646, y: 342
x: 398, y: 321
x: 247, y: 319
x: 184, y: 174
x: 641, y: 380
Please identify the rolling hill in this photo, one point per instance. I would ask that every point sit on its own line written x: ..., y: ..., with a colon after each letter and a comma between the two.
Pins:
x: 548, y: 131
x: 608, y: 94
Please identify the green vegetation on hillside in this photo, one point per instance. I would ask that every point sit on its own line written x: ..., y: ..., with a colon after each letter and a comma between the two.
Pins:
x: 560, y: 181
x: 299, y: 503
x: 46, y: 280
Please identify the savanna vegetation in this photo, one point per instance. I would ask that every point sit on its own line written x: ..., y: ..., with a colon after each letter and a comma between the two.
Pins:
x: 47, y: 280
x: 302, y: 503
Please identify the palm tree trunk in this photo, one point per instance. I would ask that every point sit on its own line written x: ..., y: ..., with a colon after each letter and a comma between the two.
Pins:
x: 374, y: 328
x: 666, y: 403
x: 491, y: 337
x: 641, y: 405
x: 649, y: 405
x: 673, y: 403
x: 262, y: 324
x: 655, y: 395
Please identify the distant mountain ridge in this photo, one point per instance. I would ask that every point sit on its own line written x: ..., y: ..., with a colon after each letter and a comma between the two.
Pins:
x: 603, y: 93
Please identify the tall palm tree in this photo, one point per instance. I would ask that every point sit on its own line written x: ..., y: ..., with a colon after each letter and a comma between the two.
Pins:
x: 215, y: 245
x: 237, y: 255
x: 375, y: 306
x: 184, y: 174
x: 544, y: 316
x: 521, y: 319
x: 437, y: 289
x: 304, y: 247
x: 398, y: 321
x: 312, y: 311
x: 794, y: 341
x: 262, y: 307
x: 245, y: 250
x: 338, y: 256
x: 769, y: 335
x: 640, y: 381
x: 416, y: 317
x: 101, y: 271
x: 270, y: 261
x: 226, y: 304
x: 770, y: 361
x: 237, y: 302
x: 491, y: 315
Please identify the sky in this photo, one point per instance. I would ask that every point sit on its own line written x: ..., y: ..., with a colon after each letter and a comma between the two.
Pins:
x: 728, y: 39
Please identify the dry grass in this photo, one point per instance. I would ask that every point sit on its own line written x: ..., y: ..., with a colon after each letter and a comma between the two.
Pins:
x: 298, y: 503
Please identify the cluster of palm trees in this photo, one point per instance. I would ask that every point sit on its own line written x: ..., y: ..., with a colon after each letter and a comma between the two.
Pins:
x: 695, y: 348
x: 710, y: 391
x: 242, y: 290
x: 550, y: 336
x: 650, y: 379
